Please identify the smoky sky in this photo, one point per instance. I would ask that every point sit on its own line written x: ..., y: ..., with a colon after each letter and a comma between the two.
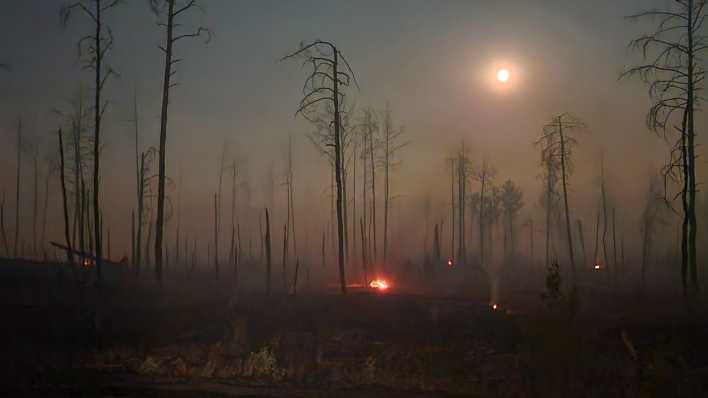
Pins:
x: 430, y: 60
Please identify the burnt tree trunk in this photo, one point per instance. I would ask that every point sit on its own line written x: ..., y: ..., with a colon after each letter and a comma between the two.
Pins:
x: 69, y: 255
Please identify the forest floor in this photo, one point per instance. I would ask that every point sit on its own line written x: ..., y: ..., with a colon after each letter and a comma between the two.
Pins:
x: 60, y: 338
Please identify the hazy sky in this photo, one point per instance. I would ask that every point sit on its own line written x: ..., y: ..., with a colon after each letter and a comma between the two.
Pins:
x: 433, y: 61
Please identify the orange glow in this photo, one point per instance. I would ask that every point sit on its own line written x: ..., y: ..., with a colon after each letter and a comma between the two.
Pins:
x: 87, y: 263
x: 450, y: 263
x: 495, y: 307
x: 379, y: 284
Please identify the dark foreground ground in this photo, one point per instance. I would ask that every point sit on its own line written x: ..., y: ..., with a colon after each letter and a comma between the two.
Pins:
x: 193, y: 339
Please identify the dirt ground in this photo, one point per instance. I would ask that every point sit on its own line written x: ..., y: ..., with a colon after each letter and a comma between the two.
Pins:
x: 193, y: 338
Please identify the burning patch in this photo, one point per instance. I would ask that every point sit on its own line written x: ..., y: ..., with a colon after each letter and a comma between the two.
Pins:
x: 379, y: 284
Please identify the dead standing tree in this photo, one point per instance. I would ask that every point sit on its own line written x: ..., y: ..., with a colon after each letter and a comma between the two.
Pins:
x: 675, y: 78
x: 391, y: 144
x: 18, y: 170
x: 95, y: 46
x: 484, y: 175
x: 556, y: 142
x: 172, y: 12
x: 69, y: 252
x: 330, y: 73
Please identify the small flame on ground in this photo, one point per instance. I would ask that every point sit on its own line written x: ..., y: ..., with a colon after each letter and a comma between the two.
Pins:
x: 597, y: 266
x: 450, y: 263
x: 379, y: 284
x: 495, y: 307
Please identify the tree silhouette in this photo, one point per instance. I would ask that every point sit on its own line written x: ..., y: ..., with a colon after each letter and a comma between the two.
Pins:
x: 172, y: 12
x: 675, y: 77
x: 95, y: 47
x: 330, y: 73
x: 556, y: 142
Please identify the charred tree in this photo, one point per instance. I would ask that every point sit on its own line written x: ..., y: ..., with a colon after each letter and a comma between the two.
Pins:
x: 391, y: 144
x: 69, y: 252
x: 267, y: 249
x: 96, y: 46
x: 557, y: 143
x: 18, y: 174
x: 330, y: 74
x: 172, y: 13
x: 2, y: 226
x: 675, y: 78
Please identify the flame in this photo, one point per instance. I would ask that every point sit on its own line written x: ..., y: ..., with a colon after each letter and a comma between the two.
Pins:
x: 379, y: 284
x: 87, y: 263
x: 495, y: 306
x: 450, y: 263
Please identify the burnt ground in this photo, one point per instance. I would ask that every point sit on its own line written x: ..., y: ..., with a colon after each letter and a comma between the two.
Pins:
x: 191, y: 338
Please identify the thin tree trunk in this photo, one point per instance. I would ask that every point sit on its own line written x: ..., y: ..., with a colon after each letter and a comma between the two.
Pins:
x: 216, y: 236
x: 297, y: 269
x: 44, y: 211
x: 267, y: 248
x: 338, y: 174
x: 132, y: 236
x: 17, y: 188
x: 98, y: 115
x: 354, y: 218
x: 595, y: 258
x: 691, y: 155
x: 2, y: 226
x: 139, y: 220
x: 614, y: 241
x: 549, y: 193
x: 69, y: 255
x: 481, y: 216
x: 35, y: 203
x: 163, y: 140
x: 604, y: 213
x: 285, y: 257
x: 373, y: 191
x: 364, y: 260
x: 582, y: 241
x: 386, y: 184
x: 565, y: 196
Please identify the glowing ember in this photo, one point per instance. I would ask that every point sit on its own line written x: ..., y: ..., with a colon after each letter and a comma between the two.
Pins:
x: 597, y: 266
x: 87, y: 263
x: 450, y: 263
x: 379, y: 284
x: 495, y: 307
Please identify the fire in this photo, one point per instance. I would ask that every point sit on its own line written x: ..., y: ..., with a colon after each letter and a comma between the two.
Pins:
x: 379, y: 284
x: 87, y: 263
x: 495, y: 306
x: 597, y: 266
x: 450, y: 263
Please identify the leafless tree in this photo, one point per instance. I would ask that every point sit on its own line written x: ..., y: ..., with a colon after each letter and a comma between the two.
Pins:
x: 18, y: 175
x: 62, y: 168
x: 172, y: 11
x: 391, y: 144
x: 485, y: 176
x: 2, y: 226
x: 557, y: 142
x: 95, y: 46
x: 329, y: 75
x: 675, y: 78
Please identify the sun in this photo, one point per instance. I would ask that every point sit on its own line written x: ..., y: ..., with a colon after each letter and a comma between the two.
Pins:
x: 503, y: 75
